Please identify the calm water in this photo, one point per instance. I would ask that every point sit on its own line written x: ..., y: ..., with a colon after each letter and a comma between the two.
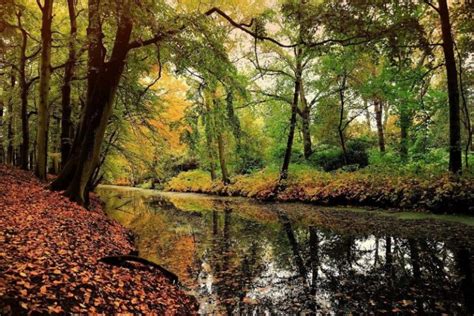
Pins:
x: 241, y: 257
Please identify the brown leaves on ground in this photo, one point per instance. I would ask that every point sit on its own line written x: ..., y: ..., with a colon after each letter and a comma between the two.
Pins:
x: 49, y: 252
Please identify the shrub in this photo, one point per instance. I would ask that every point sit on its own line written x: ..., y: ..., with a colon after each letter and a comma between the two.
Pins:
x: 278, y: 153
x: 332, y: 158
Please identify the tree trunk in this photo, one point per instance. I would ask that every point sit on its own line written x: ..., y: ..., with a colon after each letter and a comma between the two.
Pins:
x: 45, y: 76
x: 220, y: 145
x: 100, y: 108
x: 294, y: 111
x: 105, y: 78
x: 305, y: 124
x: 234, y: 120
x: 66, y: 124
x: 378, y: 107
x: 367, y: 115
x: 404, y: 126
x: 209, y: 129
x: 455, y: 155
x: 210, y: 152
x: 24, y: 87
x: 10, y: 149
x: 95, y: 65
x: 340, y: 128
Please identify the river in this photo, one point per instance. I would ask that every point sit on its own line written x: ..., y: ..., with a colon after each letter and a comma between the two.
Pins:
x: 239, y: 256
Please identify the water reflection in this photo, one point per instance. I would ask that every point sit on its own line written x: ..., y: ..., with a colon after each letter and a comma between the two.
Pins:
x: 248, y: 258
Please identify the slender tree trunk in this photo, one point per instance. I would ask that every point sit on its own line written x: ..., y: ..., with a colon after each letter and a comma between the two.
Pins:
x: 24, y: 87
x: 305, y: 124
x: 209, y: 130
x: 340, y: 128
x: 367, y: 115
x: 210, y: 152
x: 455, y: 155
x: 234, y: 120
x: 378, y: 108
x: 10, y: 149
x: 404, y: 126
x: 45, y: 76
x: 66, y: 124
x: 220, y: 145
x: 294, y: 109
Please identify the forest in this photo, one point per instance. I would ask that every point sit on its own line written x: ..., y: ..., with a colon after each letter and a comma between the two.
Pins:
x: 365, y: 104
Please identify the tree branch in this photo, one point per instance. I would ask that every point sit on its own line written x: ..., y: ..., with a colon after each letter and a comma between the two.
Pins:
x: 244, y: 28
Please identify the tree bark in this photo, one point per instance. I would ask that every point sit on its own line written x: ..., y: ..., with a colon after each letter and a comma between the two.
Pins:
x: 66, y: 124
x: 367, y: 115
x: 340, y: 128
x: 294, y: 111
x: 100, y: 109
x: 10, y: 149
x: 455, y: 153
x: 222, y: 161
x: 95, y: 64
x: 378, y: 107
x: 212, y: 164
x: 24, y: 87
x: 234, y: 120
x: 45, y: 76
x: 404, y: 126
x: 103, y: 80
x: 305, y: 124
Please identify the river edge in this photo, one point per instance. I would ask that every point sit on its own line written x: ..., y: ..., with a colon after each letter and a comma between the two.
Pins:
x: 440, y: 194
x: 50, y: 252
x: 396, y: 213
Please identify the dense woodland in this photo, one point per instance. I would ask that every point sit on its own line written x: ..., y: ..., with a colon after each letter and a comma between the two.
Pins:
x: 137, y: 92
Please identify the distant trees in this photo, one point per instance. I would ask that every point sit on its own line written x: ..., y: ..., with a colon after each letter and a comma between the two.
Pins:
x: 384, y: 72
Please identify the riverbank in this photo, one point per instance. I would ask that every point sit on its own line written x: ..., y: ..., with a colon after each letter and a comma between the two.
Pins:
x: 49, y: 258
x: 437, y: 194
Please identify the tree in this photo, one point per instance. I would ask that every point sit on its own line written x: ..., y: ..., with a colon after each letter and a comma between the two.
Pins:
x: 43, y: 92
x: 455, y: 153
x: 66, y: 106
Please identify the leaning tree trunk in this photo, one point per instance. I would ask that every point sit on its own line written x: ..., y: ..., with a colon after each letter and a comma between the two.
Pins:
x: 291, y: 135
x: 66, y: 124
x: 45, y: 76
x: 455, y: 153
x: 97, y: 112
x: 378, y: 107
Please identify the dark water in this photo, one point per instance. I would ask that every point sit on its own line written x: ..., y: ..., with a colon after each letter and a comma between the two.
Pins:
x: 242, y: 257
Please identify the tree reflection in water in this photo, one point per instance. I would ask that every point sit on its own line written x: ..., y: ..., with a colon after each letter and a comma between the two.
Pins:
x: 249, y: 258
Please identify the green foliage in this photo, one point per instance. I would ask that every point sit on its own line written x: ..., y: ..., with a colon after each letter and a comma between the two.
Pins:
x: 331, y: 158
x: 366, y: 187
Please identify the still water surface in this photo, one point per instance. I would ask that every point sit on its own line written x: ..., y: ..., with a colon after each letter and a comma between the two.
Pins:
x: 238, y: 256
